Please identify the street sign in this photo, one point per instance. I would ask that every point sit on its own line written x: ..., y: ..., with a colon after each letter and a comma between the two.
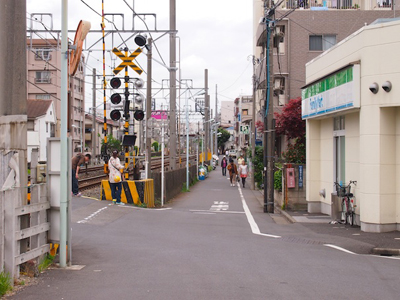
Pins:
x: 244, y: 129
x: 127, y: 61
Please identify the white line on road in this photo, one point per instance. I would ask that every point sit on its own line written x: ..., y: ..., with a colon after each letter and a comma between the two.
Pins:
x: 340, y: 248
x: 87, y: 219
x: 217, y: 211
x: 250, y: 219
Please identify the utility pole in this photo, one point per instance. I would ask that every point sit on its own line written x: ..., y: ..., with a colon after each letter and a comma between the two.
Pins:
x: 148, y: 108
x: 269, y: 139
x: 172, y: 82
x: 216, y: 120
x: 206, y: 114
x: 253, y: 127
x: 94, y: 140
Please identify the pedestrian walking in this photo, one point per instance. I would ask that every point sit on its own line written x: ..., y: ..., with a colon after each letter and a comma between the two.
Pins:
x: 224, y: 164
x: 227, y: 152
x: 77, y: 161
x: 115, y: 177
x: 240, y: 160
x: 232, y: 172
x: 243, y: 170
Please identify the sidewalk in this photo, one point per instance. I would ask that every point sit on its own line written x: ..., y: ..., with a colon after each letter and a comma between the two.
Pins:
x: 387, y: 243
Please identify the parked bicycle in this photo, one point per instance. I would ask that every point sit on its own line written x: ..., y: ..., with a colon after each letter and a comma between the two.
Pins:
x: 348, y: 202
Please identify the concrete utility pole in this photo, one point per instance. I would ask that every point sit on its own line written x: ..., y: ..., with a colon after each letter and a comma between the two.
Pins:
x: 94, y: 140
x: 253, y: 127
x: 148, y: 108
x: 206, y: 115
x: 13, y: 92
x: 216, y: 120
x: 172, y: 82
x: 269, y: 144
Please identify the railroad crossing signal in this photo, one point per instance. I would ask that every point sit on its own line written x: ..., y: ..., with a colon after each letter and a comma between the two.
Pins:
x: 127, y: 61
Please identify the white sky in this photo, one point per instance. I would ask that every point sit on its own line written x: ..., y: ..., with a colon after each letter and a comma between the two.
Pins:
x: 215, y: 35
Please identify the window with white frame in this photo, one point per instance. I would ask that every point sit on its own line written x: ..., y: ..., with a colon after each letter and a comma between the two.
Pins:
x: 43, y: 77
x: 321, y: 42
x: 43, y: 54
x: 42, y: 97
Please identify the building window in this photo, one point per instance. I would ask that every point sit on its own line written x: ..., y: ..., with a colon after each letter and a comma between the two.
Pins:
x: 43, y: 97
x: 339, y: 123
x: 321, y: 42
x: 42, y: 54
x: 43, y: 77
x: 245, y: 112
x: 47, y: 127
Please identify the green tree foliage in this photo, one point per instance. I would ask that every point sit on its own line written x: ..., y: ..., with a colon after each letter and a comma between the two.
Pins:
x: 258, y: 164
x: 155, y: 146
x: 223, y: 138
x: 112, y: 144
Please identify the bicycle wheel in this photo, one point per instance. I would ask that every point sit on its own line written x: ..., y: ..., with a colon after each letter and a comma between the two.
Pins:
x: 343, y: 218
x: 350, y: 218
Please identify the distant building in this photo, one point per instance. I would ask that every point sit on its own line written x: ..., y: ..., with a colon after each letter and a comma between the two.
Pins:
x: 242, y: 125
x: 227, y: 113
x: 300, y: 36
x: 44, y: 83
x: 41, y: 125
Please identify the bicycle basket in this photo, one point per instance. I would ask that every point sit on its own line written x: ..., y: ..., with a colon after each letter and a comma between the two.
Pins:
x: 343, y: 190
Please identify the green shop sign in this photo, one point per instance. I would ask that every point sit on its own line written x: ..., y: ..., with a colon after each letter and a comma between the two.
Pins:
x: 336, y: 92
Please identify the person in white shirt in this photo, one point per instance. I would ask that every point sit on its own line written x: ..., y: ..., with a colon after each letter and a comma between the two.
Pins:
x: 115, y: 177
x: 243, y: 170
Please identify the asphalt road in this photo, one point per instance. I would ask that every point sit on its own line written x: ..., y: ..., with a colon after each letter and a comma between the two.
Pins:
x: 213, y: 242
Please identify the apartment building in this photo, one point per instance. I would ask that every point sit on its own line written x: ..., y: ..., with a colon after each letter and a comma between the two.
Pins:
x: 301, y: 34
x: 44, y: 83
x: 242, y: 123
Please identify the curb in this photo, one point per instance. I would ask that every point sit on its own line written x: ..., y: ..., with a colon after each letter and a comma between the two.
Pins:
x: 386, y: 251
x: 285, y: 214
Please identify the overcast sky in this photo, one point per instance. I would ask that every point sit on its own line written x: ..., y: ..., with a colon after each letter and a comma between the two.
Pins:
x: 214, y: 35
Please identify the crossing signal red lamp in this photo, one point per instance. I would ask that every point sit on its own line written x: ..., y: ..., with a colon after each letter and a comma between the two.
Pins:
x: 116, y: 98
x: 115, y: 82
x: 138, y: 115
x: 115, y: 115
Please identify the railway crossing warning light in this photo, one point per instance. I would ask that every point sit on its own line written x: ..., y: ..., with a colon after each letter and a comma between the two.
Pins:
x: 138, y: 115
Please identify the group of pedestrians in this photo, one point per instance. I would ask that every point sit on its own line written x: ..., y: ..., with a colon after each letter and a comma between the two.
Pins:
x: 115, y: 172
x: 234, y: 171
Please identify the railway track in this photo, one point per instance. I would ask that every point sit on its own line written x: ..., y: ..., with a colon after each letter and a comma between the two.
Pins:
x: 94, y: 180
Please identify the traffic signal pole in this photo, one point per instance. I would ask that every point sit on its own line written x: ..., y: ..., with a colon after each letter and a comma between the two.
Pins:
x: 127, y: 117
x: 148, y: 108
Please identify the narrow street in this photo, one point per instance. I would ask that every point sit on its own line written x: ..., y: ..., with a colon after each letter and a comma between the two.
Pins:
x: 213, y: 242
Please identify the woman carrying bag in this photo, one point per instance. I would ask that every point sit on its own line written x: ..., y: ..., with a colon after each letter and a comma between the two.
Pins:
x: 243, y: 172
x: 115, y: 176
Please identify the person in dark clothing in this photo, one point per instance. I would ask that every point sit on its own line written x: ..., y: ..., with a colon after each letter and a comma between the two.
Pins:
x: 224, y: 164
x: 232, y: 172
x: 78, y: 160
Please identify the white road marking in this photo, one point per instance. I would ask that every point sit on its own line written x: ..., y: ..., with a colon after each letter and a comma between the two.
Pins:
x: 217, y: 211
x: 87, y: 219
x: 218, y: 206
x: 340, y: 248
x: 250, y: 219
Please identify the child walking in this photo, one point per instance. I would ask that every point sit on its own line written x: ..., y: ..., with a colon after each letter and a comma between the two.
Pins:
x: 232, y: 172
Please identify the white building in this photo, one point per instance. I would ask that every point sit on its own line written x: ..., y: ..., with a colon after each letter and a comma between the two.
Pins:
x: 41, y: 125
x: 353, y: 124
x: 227, y: 113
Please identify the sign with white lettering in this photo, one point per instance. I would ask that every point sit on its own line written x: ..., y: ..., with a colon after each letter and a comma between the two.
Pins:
x: 337, y: 92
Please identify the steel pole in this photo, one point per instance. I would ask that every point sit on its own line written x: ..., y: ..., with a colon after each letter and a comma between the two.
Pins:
x: 187, y: 143
x: 148, y: 108
x: 64, y: 140
x: 172, y: 82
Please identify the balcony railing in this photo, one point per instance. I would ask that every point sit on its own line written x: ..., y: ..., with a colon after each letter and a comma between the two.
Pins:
x: 330, y: 4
